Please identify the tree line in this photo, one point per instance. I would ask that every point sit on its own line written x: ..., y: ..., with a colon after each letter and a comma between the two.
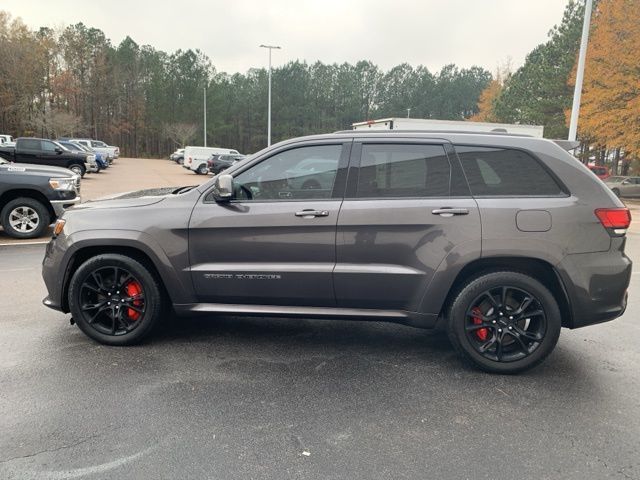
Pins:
x: 76, y: 82
x: 541, y: 91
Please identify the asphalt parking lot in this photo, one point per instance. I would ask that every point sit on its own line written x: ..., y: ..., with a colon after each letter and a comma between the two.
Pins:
x: 239, y: 398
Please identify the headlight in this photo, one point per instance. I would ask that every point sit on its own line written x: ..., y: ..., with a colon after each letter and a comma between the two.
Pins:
x: 64, y: 184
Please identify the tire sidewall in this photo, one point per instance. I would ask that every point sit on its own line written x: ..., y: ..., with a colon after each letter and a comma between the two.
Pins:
x: 81, y: 170
x: 37, y: 206
x: 457, y: 317
x: 152, y: 292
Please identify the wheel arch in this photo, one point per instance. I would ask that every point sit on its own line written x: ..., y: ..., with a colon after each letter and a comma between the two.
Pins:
x: 539, y: 269
x: 141, y: 250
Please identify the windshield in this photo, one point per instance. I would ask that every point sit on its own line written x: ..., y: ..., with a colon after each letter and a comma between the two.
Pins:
x: 614, y: 179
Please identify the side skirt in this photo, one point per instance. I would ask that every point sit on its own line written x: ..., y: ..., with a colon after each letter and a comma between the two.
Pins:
x: 418, y: 320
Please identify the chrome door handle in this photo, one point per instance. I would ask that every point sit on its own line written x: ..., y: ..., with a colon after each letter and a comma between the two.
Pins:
x: 312, y: 213
x: 450, y: 212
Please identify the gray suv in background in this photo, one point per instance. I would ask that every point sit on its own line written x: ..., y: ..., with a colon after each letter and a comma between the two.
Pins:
x: 500, y: 239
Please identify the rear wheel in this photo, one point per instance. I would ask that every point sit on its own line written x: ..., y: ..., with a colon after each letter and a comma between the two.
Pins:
x: 25, y: 217
x: 504, y: 322
x: 115, y: 299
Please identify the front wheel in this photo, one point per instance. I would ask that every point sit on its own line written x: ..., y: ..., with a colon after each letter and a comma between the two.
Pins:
x: 24, y: 218
x: 78, y: 169
x: 115, y: 299
x: 504, y: 322
x: 202, y: 169
x: 616, y: 192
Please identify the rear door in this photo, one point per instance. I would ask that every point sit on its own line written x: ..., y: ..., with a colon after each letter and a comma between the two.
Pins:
x: 28, y: 150
x: 407, y: 213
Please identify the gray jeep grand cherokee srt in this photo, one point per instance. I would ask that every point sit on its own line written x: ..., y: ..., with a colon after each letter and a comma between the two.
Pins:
x: 500, y: 239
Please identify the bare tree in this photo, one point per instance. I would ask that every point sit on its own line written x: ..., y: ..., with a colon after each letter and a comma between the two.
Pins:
x: 180, y: 133
x: 56, y: 123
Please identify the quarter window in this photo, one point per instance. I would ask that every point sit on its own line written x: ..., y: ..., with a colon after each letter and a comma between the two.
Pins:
x: 296, y: 174
x: 403, y: 170
x: 505, y: 172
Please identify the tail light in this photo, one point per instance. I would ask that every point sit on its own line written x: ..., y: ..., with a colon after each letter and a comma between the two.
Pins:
x: 615, y: 220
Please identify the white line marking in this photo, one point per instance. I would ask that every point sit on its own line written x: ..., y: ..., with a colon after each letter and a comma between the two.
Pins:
x: 35, y: 242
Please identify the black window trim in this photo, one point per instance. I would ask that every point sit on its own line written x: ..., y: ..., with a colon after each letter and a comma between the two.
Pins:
x: 356, y: 158
x: 339, y: 184
x: 563, y: 188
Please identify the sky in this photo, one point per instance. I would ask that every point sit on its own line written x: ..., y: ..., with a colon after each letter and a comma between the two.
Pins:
x: 433, y: 33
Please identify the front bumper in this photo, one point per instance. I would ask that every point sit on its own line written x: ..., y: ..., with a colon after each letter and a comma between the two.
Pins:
x: 59, y: 206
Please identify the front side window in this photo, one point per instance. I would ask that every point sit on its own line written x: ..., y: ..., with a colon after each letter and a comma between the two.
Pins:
x: 505, y: 172
x: 403, y: 170
x: 48, y: 146
x: 296, y: 174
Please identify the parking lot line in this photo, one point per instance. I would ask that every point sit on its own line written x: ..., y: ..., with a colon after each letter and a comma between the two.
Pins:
x: 34, y: 242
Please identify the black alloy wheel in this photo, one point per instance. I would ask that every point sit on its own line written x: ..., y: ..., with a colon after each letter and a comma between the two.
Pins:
x: 504, y: 322
x: 115, y: 299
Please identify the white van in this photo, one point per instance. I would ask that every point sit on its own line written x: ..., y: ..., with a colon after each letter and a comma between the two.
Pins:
x: 195, y: 158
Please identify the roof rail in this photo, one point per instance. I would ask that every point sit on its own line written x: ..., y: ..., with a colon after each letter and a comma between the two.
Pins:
x: 466, y: 132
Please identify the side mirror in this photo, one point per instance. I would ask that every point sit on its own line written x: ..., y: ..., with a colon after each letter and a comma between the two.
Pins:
x: 626, y: 182
x: 223, y: 188
x: 58, y: 150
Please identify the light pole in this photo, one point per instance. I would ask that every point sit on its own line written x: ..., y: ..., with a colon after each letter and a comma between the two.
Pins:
x: 270, y: 47
x: 577, y: 92
x: 408, y: 112
x: 205, y: 116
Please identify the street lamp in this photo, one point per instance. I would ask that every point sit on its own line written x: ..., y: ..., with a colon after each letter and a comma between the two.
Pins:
x: 577, y: 92
x: 270, y: 47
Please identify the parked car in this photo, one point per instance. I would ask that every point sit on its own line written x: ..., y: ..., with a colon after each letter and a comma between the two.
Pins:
x: 87, y: 142
x: 601, y: 171
x: 115, y: 151
x: 92, y: 162
x: 624, y: 186
x: 34, y: 196
x: 5, y: 139
x: 40, y: 151
x: 219, y: 162
x: 500, y: 239
x: 178, y: 156
x: 195, y: 158
x: 100, y: 157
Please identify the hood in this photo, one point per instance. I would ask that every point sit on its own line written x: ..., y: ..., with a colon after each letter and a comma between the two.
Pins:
x: 36, y: 169
x: 140, y: 198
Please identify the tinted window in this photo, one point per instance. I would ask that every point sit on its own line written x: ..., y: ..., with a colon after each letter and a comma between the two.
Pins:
x: 30, y: 144
x: 500, y: 171
x: 48, y: 146
x: 402, y: 170
x: 299, y: 173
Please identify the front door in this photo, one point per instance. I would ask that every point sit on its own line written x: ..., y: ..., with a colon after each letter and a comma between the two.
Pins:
x: 274, y: 243
x: 407, y: 212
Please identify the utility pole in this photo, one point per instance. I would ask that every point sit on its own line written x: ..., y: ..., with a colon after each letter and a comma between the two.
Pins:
x: 205, y: 116
x: 270, y: 47
x: 577, y: 92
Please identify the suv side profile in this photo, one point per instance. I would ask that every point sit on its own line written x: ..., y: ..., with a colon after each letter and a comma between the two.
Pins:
x: 500, y: 239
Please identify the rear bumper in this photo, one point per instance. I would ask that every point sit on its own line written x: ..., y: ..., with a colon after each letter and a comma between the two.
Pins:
x: 596, y: 284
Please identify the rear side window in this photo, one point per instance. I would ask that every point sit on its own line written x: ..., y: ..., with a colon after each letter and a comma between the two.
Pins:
x: 29, y: 144
x: 505, y: 172
x: 403, y: 170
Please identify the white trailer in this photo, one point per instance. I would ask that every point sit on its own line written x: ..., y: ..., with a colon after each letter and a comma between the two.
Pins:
x: 417, y: 124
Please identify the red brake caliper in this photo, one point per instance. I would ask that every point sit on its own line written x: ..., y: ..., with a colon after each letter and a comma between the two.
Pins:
x: 481, y: 333
x: 133, y: 289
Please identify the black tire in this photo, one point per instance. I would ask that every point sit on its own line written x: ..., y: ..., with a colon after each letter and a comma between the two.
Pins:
x: 78, y: 169
x: 82, y: 293
x: 616, y: 192
x: 202, y: 169
x: 36, y: 212
x: 460, y: 315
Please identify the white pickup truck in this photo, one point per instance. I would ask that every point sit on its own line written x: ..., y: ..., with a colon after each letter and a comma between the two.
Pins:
x: 109, y: 152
